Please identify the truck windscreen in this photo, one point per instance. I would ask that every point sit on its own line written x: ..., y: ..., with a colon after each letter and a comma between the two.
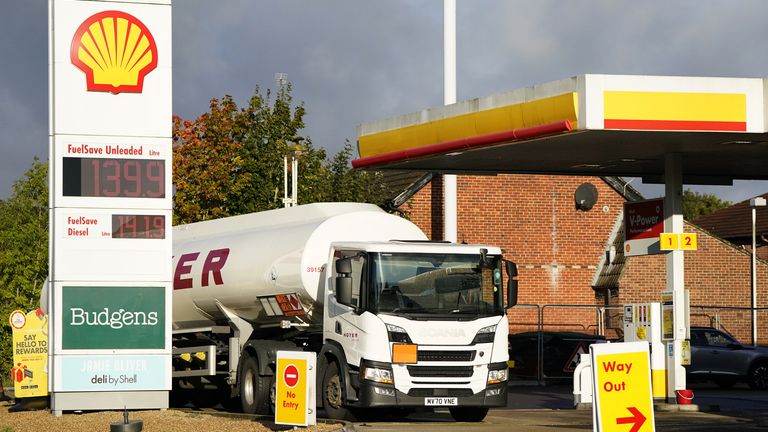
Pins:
x: 445, y: 285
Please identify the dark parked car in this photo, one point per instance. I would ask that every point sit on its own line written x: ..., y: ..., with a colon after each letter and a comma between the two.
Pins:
x: 561, y: 351
x: 718, y: 356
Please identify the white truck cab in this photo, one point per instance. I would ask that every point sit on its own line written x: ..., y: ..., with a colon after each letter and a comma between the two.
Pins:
x: 417, y: 324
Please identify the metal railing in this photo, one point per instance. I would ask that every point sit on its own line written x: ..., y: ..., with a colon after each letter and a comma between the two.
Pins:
x: 735, y: 320
x: 608, y: 322
x: 543, y: 322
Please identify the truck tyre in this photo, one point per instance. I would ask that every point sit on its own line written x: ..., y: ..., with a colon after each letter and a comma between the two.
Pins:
x: 758, y: 376
x: 333, y: 393
x: 254, y: 389
x: 468, y: 414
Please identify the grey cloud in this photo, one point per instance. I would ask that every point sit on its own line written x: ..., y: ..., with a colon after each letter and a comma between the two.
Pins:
x: 353, y: 61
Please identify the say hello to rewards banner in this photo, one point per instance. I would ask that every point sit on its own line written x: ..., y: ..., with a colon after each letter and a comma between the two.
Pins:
x: 30, y: 353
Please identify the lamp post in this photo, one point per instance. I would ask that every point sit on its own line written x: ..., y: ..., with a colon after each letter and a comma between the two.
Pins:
x: 754, y: 203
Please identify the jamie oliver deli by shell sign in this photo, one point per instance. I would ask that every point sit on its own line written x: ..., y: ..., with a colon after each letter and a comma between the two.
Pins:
x: 110, y: 273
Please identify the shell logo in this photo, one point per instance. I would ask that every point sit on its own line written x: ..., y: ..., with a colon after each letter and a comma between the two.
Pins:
x: 115, y: 50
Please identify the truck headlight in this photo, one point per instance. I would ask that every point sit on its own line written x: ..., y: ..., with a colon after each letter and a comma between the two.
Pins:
x: 379, y: 375
x: 485, y: 335
x: 497, y: 376
x: 397, y: 334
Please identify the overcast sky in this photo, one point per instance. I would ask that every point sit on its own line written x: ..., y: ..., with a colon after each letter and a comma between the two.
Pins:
x: 352, y: 61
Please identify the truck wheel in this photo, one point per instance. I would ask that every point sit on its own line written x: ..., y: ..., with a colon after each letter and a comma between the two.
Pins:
x: 333, y: 394
x: 254, y: 389
x: 758, y: 376
x: 468, y: 414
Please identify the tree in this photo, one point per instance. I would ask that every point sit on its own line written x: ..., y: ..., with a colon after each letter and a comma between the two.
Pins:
x: 347, y: 185
x: 696, y: 205
x: 207, y: 166
x: 23, y: 249
x: 229, y: 161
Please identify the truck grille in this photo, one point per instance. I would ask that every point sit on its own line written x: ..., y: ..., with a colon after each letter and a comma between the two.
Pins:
x: 449, y: 356
x: 444, y: 392
x: 440, y: 371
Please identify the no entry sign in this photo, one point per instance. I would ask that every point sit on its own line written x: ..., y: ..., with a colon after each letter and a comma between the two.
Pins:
x: 291, y: 375
x: 295, y: 388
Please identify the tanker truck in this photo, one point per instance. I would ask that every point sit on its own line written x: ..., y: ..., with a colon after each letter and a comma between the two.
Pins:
x: 396, y: 321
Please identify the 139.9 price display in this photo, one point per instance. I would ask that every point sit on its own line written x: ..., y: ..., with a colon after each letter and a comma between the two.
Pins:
x: 138, y: 226
x: 113, y: 177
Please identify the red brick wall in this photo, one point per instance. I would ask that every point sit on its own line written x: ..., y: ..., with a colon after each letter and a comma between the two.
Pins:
x: 535, y: 221
x: 558, y: 248
x: 717, y: 274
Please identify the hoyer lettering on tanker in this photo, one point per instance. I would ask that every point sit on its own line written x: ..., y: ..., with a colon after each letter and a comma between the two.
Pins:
x: 212, y: 264
x: 616, y: 368
x: 109, y: 149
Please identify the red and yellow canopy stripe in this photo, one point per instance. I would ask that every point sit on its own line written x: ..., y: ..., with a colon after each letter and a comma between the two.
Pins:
x: 675, y: 111
x: 525, y: 115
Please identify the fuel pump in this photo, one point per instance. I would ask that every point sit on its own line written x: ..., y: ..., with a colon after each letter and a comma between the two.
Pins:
x: 643, y: 322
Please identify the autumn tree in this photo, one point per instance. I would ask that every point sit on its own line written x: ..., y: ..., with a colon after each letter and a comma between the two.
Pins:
x: 208, y: 173
x: 696, y: 205
x: 229, y: 161
x: 23, y: 249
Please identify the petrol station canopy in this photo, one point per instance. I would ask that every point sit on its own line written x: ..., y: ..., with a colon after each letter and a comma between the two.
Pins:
x: 602, y: 125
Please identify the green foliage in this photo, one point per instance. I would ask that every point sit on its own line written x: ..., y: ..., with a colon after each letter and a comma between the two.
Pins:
x: 23, y: 250
x: 229, y: 161
x: 696, y: 205
x: 347, y: 185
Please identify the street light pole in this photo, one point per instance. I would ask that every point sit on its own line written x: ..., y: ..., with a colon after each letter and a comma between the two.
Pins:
x: 755, y: 203
x: 450, y: 183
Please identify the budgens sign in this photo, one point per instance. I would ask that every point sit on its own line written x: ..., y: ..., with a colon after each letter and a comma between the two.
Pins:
x: 113, y: 317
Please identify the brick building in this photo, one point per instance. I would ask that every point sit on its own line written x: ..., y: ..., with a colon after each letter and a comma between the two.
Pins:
x: 734, y: 224
x: 562, y: 252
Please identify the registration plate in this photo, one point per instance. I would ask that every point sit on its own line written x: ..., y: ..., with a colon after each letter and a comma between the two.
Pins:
x: 441, y: 401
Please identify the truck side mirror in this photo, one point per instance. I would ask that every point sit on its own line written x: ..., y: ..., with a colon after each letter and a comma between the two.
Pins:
x: 344, y: 289
x: 511, y: 283
x: 344, y: 281
x: 344, y: 266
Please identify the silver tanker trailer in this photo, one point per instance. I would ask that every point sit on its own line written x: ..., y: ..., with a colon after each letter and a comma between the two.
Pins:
x: 396, y: 321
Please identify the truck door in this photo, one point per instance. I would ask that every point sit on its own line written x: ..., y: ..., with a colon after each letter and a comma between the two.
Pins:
x: 346, y: 325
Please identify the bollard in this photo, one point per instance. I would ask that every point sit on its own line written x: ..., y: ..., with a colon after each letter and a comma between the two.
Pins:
x: 126, y: 425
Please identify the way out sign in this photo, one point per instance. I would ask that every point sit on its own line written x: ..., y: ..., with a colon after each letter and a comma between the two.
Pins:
x: 295, y: 389
x: 622, y: 387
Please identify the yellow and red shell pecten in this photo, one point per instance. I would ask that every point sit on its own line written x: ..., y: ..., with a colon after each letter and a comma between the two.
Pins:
x: 115, y: 50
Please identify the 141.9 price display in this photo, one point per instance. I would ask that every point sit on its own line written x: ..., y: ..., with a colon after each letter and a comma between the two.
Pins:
x: 138, y: 226
x: 113, y: 177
